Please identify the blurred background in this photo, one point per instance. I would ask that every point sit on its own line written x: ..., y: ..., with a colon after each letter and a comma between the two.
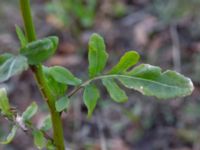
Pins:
x: 165, y: 33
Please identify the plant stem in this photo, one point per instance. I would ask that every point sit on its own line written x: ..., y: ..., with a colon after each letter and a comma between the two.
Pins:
x: 85, y: 83
x: 58, y: 136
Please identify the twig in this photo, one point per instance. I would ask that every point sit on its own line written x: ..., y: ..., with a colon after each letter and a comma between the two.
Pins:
x: 27, y: 129
x: 74, y: 91
x: 175, y: 48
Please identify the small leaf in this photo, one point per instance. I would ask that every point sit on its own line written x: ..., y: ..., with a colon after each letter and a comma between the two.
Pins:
x: 64, y: 76
x: 10, y: 137
x: 97, y: 55
x: 40, y: 50
x: 11, y: 65
x: 21, y: 36
x: 90, y: 96
x: 62, y: 104
x: 57, y: 89
x: 116, y: 93
x: 5, y: 57
x: 127, y: 60
x: 39, y: 139
x: 30, y: 111
x: 50, y: 145
x: 47, y: 124
x: 4, y: 103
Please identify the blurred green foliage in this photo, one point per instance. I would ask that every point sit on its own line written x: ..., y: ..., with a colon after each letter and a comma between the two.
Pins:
x: 70, y: 12
x: 170, y: 11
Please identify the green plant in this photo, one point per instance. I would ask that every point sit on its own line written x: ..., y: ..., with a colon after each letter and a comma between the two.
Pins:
x: 53, y: 81
x: 73, y: 12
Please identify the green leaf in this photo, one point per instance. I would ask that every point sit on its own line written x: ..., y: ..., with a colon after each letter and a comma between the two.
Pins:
x: 5, y: 57
x: 57, y: 89
x: 11, y: 65
x: 50, y: 145
x: 40, y: 50
x: 4, y: 103
x: 150, y: 81
x: 116, y: 93
x: 21, y: 36
x: 64, y: 76
x: 97, y: 55
x: 90, y: 96
x: 47, y: 124
x: 39, y: 139
x: 30, y: 111
x: 127, y: 60
x: 62, y: 104
x: 10, y: 136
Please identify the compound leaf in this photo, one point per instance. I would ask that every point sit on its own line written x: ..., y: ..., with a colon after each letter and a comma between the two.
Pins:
x: 11, y: 65
x: 97, y: 55
x: 116, y: 93
x: 30, y: 111
x: 10, y: 136
x: 90, y: 96
x: 64, y: 76
x: 127, y: 60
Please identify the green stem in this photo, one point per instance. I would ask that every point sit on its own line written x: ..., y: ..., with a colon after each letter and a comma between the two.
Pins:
x: 85, y: 83
x: 58, y: 136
